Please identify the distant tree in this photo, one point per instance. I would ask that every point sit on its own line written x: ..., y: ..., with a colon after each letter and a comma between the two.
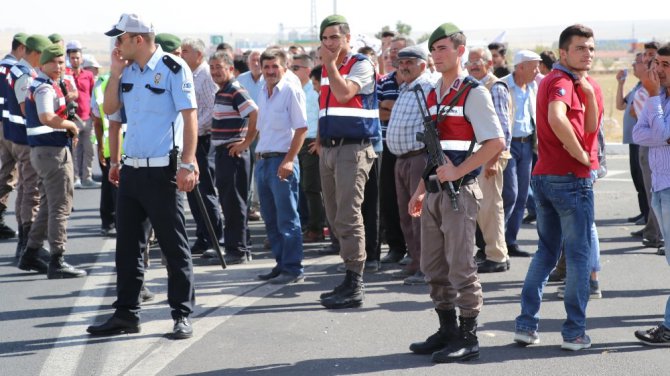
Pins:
x: 403, y: 28
x: 423, y: 38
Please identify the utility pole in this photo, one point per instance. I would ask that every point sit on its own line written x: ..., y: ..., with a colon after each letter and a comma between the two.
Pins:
x: 334, y: 6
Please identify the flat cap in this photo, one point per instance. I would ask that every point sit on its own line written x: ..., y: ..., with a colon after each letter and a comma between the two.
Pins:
x: 334, y: 19
x: 55, y: 38
x: 441, y: 32
x: 415, y: 52
x: 525, y: 55
x: 20, y: 37
x: 37, y: 42
x: 168, y: 42
x: 51, y: 52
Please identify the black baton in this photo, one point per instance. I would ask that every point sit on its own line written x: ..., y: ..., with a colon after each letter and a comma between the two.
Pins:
x: 208, y: 223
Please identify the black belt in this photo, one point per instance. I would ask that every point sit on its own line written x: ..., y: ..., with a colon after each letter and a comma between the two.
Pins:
x: 412, y: 153
x: 523, y: 139
x: 267, y: 155
x: 432, y: 187
x: 339, y: 141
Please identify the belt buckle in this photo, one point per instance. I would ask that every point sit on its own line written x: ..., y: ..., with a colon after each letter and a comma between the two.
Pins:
x: 136, y: 162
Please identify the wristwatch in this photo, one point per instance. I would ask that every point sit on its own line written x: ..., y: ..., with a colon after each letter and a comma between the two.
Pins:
x: 187, y: 166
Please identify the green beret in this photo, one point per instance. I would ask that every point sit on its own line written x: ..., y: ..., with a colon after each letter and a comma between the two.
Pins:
x: 442, y: 31
x: 168, y: 42
x: 51, y: 52
x: 20, y: 37
x: 55, y: 38
x: 37, y: 42
x: 331, y: 20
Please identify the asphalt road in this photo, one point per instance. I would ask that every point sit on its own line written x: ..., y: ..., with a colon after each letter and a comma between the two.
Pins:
x: 245, y: 326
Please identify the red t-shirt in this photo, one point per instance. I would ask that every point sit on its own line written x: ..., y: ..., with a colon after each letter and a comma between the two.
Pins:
x: 85, y: 82
x: 553, y: 159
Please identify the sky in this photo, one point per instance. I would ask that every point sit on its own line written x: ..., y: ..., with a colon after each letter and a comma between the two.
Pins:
x: 364, y: 16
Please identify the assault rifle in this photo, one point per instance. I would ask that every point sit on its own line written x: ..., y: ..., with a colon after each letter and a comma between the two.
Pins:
x: 71, y: 107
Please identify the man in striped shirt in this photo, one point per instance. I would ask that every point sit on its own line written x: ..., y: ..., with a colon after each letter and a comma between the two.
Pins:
x: 233, y: 130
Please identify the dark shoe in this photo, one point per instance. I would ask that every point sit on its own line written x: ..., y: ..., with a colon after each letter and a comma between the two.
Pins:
x: 464, y: 347
x: 312, y: 237
x: 254, y: 215
x: 652, y: 243
x: 514, y: 251
x: 402, y: 274
x: 237, y: 259
x: 182, y: 328
x: 556, y: 276
x: 480, y: 256
x: 656, y: 336
x: 31, y: 260
x: 530, y: 218
x: 5, y: 231
x: 405, y: 260
x: 637, y: 234
x: 59, y: 269
x: 349, y: 296
x: 286, y: 278
x: 661, y: 251
x: 146, y: 295
x: 199, y: 247
x: 635, y: 219
x: 114, y: 325
x: 108, y: 231
x: 447, y: 332
x: 268, y: 276
x: 416, y: 279
x: 372, y: 266
x: 392, y: 257
x: 210, y: 254
x: 641, y: 222
x: 330, y: 249
x: 489, y: 266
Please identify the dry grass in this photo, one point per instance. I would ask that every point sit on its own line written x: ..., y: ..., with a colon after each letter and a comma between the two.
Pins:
x: 613, y: 118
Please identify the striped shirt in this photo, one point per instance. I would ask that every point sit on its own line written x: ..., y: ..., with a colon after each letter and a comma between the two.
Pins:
x: 653, y: 130
x: 387, y: 89
x: 205, y: 91
x: 232, y: 106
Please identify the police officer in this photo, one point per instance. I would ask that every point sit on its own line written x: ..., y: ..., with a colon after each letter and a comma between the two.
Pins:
x: 152, y: 89
x: 465, y: 113
x: 49, y: 136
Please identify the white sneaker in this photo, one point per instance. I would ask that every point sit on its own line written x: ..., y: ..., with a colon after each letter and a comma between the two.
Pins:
x: 77, y: 183
x: 90, y: 183
x: 524, y: 338
x: 579, y: 343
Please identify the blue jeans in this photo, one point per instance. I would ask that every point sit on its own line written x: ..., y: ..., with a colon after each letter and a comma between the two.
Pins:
x: 564, y: 212
x: 279, y: 208
x: 660, y: 202
x: 516, y: 181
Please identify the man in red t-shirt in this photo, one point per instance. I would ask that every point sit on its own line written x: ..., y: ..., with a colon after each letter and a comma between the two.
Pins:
x: 569, y: 108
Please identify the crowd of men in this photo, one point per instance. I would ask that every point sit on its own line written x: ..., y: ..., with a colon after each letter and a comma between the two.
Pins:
x: 432, y: 151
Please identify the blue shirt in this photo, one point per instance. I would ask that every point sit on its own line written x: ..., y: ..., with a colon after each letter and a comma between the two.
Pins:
x: 312, y: 109
x: 628, y: 119
x: 252, y: 87
x: 522, y: 126
x: 152, y: 99
x: 653, y: 130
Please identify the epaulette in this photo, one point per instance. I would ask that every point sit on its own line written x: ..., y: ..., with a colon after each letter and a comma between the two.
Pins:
x: 171, y: 64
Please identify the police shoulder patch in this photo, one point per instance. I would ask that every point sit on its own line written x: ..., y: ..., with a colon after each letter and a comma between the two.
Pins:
x: 561, y: 92
x: 171, y: 64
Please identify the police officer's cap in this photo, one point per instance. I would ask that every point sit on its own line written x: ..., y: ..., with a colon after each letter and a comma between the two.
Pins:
x: 130, y: 23
x: 37, y: 42
x: 20, y: 37
x: 334, y: 19
x: 168, y: 42
x: 49, y: 53
x: 55, y: 38
x: 443, y: 31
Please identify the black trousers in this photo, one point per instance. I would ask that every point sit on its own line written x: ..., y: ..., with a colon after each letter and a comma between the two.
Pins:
x: 370, y: 211
x: 151, y: 192
x: 636, y: 174
x: 232, y: 181
x: 388, y: 200
x: 107, y: 198
x: 208, y: 193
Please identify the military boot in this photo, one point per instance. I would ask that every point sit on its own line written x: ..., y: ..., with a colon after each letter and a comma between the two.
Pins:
x: 31, y: 260
x: 20, y: 244
x: 464, y: 347
x: 59, y: 269
x: 447, y: 333
x: 348, y: 295
x: 5, y: 231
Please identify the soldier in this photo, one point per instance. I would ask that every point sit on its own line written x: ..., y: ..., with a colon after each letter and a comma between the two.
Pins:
x: 464, y: 113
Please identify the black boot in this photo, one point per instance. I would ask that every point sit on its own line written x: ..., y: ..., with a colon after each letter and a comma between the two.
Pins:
x: 465, y: 347
x: 348, y: 295
x: 59, y: 269
x: 447, y: 333
x: 20, y: 244
x: 30, y: 260
x: 5, y: 231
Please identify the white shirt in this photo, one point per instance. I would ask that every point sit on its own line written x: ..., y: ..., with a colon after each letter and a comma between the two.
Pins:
x: 279, y: 115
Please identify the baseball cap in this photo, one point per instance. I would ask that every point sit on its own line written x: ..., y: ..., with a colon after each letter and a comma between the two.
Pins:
x: 130, y: 23
x: 525, y: 55
x: 73, y: 45
x: 90, y: 62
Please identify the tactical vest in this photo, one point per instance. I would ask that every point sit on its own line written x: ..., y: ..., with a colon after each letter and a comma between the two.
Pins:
x: 13, y: 122
x: 357, y: 119
x: 455, y: 130
x: 38, y: 133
